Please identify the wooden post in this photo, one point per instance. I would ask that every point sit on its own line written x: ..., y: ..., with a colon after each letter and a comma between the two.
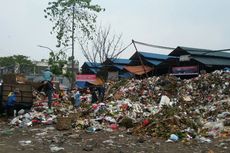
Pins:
x: 140, y: 58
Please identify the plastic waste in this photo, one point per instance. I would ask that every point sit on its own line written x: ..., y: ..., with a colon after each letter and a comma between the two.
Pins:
x: 174, y: 137
x: 54, y: 148
x: 113, y: 126
x: 25, y: 142
x: 164, y: 101
x: 91, y: 129
x: 110, y: 119
x: 203, y: 139
x: 21, y: 112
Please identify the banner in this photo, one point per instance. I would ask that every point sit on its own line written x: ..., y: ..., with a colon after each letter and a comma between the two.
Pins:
x: 184, y: 70
x: 86, y: 77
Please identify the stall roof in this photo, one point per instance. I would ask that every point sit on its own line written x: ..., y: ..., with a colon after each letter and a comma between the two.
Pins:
x: 94, y: 70
x: 199, y: 52
x: 213, y: 61
x: 120, y: 67
x: 120, y: 61
x: 92, y: 64
x: 154, y: 55
x: 154, y: 62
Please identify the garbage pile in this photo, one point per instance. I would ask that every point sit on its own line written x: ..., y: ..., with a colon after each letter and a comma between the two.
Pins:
x: 187, y: 108
x: 163, y: 106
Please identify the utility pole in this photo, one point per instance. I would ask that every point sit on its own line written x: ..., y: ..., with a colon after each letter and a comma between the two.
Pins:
x: 73, y: 25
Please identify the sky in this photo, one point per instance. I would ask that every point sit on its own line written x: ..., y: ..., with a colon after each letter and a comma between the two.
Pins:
x: 191, y: 23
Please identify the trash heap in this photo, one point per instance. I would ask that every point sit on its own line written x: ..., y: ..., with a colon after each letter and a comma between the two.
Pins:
x: 163, y: 106
x: 167, y: 105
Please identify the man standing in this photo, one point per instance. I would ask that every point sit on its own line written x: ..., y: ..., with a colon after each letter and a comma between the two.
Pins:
x: 48, y: 87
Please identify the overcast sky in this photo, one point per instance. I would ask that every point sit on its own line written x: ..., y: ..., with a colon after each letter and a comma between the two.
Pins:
x: 191, y: 23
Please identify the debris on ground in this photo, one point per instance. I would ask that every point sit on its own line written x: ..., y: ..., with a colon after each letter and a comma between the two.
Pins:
x: 160, y: 106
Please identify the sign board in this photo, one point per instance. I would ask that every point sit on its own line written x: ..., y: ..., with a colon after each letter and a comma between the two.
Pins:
x: 184, y: 58
x: 86, y: 77
x: 185, y: 70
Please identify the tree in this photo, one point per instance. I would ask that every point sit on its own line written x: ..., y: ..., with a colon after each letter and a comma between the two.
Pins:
x: 103, y: 45
x: 58, y: 62
x: 25, y: 65
x: 69, y: 16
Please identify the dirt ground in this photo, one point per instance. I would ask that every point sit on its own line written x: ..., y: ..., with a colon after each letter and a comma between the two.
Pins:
x: 45, y: 139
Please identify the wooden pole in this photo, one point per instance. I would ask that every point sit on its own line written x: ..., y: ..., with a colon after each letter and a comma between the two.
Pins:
x: 140, y: 58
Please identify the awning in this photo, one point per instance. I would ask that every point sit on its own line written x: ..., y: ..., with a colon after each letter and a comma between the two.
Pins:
x: 97, y: 82
x: 138, y: 70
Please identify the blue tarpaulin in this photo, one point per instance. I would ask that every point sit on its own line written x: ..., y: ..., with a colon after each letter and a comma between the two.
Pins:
x: 81, y: 84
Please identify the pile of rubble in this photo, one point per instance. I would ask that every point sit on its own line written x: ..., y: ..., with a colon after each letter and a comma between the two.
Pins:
x: 163, y: 106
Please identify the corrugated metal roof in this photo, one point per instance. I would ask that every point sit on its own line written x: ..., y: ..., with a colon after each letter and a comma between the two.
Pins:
x: 120, y: 61
x: 154, y: 55
x: 93, y: 64
x: 154, y: 62
x: 119, y: 66
x: 94, y: 70
x: 205, y: 52
x: 213, y: 61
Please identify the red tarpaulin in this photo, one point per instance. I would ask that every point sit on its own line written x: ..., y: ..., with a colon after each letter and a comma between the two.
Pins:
x: 86, y: 77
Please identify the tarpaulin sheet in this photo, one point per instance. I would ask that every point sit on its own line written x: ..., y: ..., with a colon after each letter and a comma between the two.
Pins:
x: 97, y: 82
x: 86, y: 77
x: 138, y: 70
x: 82, y: 84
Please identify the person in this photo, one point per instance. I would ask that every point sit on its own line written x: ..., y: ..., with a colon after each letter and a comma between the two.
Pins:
x: 11, y: 101
x: 101, y: 93
x: 48, y: 87
x: 94, y: 95
x: 77, y: 98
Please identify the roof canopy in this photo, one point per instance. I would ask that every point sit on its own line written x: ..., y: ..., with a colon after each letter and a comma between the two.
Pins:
x: 198, y: 52
x: 119, y: 61
x: 151, y: 59
x: 94, y: 64
x: 138, y: 70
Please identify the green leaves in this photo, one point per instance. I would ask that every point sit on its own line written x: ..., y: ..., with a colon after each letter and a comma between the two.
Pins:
x: 57, y: 61
x: 12, y: 60
x: 24, y: 63
x: 71, y: 17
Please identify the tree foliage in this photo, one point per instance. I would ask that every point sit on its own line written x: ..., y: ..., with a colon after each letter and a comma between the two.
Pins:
x: 57, y: 61
x: 71, y: 15
x: 23, y: 63
x: 15, y: 59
